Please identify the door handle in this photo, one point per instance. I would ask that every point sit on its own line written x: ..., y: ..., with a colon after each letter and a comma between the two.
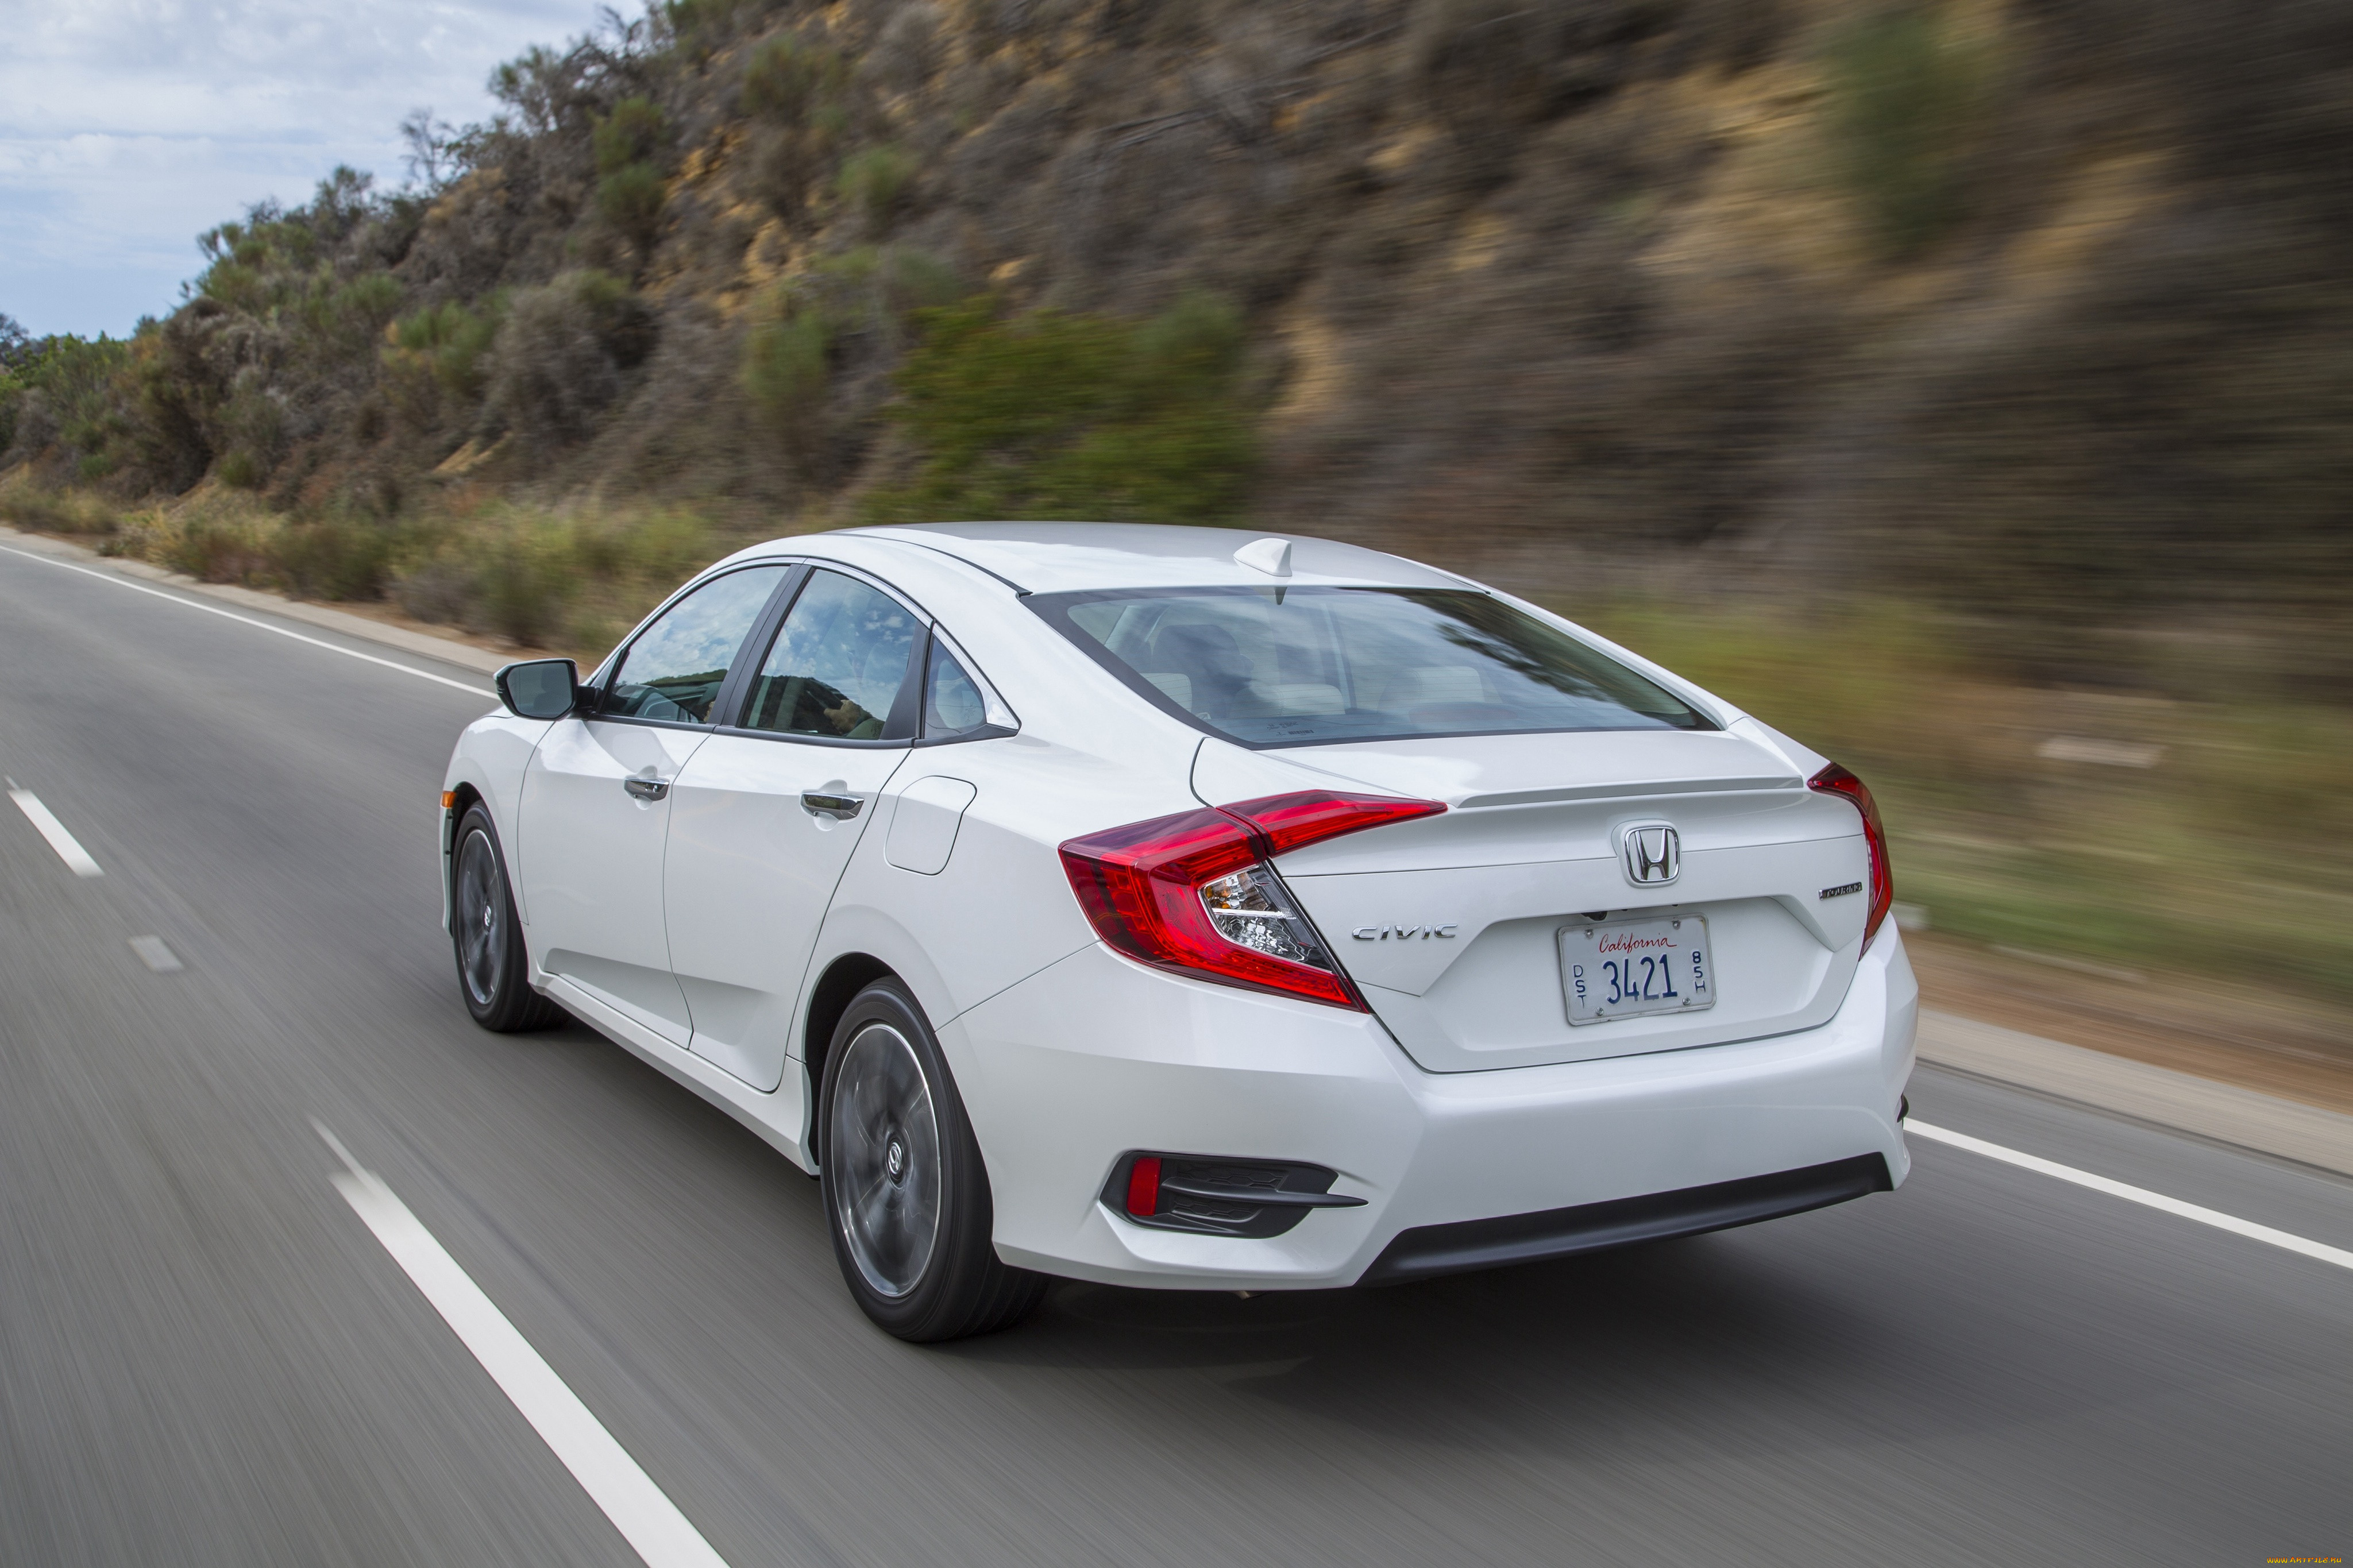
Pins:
x: 647, y: 789
x: 840, y: 808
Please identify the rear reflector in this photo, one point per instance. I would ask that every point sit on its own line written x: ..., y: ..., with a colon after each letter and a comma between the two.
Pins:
x: 1143, y: 1187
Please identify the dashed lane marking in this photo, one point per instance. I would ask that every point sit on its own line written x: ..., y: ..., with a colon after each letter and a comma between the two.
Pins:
x: 67, y: 846
x: 639, y: 1509
x: 155, y: 955
x: 2220, y: 1221
x: 247, y: 620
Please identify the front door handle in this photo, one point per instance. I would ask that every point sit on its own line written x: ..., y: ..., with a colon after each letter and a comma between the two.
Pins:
x: 647, y: 789
x: 840, y: 808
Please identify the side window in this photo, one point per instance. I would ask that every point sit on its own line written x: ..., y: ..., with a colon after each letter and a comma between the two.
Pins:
x: 677, y: 665
x: 838, y: 663
x: 952, y: 699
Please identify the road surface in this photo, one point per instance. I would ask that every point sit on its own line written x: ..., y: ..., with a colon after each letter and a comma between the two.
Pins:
x: 206, y: 1358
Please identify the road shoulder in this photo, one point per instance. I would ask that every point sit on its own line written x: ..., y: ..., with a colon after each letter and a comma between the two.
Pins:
x: 2224, y: 1112
x: 450, y: 647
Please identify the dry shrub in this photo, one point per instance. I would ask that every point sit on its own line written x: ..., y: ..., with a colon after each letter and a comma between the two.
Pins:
x: 562, y: 355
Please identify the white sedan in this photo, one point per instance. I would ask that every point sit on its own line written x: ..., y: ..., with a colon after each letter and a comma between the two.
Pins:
x: 1119, y: 904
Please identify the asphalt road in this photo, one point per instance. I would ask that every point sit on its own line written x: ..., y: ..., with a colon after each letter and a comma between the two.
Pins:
x: 206, y: 1358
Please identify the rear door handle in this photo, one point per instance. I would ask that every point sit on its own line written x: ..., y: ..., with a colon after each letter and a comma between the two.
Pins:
x: 647, y: 789
x: 840, y: 808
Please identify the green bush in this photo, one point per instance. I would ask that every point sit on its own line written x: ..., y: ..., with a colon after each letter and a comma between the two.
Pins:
x: 345, y: 317
x: 784, y: 367
x: 332, y: 558
x: 447, y: 342
x: 1056, y: 415
x: 631, y: 198
x: 36, y: 507
x: 216, y: 546
x: 698, y: 27
x: 786, y: 79
x: 574, y: 582
x: 873, y: 182
x: 1906, y: 98
x: 632, y: 133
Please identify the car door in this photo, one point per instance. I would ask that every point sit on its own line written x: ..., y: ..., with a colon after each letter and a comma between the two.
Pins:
x: 595, y: 811
x: 767, y: 811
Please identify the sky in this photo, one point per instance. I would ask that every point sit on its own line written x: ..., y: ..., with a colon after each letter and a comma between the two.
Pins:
x: 129, y: 127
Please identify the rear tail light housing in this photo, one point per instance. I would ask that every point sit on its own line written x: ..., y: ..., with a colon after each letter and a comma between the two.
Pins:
x: 1194, y: 893
x: 1836, y: 780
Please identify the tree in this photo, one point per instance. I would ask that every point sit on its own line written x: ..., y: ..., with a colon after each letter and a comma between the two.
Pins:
x: 18, y: 346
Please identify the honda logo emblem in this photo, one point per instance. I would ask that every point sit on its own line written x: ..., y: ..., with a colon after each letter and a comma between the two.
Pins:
x: 1654, y: 853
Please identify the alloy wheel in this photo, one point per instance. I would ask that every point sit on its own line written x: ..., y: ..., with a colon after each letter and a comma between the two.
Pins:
x: 480, y: 917
x: 884, y: 1146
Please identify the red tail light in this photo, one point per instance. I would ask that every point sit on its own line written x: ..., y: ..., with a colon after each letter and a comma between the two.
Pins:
x: 1193, y: 892
x: 1836, y: 780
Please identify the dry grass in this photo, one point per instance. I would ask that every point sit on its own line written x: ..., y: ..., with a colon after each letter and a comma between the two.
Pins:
x: 572, y: 579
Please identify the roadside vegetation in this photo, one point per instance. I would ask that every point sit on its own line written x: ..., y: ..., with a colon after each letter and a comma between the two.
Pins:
x: 2207, y: 834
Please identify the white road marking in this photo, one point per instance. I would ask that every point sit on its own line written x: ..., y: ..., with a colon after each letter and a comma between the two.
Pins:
x: 639, y: 1509
x: 248, y: 620
x: 2220, y: 1221
x: 155, y: 955
x: 69, y: 848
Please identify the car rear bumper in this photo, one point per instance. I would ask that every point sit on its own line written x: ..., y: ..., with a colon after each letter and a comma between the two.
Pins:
x: 1096, y: 1057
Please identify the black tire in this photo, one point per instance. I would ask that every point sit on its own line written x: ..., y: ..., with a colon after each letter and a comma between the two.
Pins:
x: 493, y: 969
x: 906, y: 1194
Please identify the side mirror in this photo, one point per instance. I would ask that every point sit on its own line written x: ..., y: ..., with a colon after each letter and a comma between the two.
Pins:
x: 539, y: 688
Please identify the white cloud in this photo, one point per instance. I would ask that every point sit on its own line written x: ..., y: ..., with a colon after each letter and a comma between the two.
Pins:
x: 128, y: 127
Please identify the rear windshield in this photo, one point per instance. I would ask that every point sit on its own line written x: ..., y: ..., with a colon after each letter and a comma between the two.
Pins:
x: 1287, y: 667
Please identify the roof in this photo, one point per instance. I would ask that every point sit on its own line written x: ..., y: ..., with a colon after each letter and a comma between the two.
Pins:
x: 1065, y: 557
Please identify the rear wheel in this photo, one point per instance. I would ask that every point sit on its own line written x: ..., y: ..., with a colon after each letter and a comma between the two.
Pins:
x: 493, y: 969
x: 906, y: 1195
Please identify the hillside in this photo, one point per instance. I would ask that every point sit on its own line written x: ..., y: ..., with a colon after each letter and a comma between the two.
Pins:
x: 2036, y: 307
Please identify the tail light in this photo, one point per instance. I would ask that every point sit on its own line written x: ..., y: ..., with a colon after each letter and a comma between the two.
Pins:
x: 1193, y: 892
x: 1836, y: 780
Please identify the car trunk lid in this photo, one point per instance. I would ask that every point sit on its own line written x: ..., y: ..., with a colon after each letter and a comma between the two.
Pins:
x: 1450, y: 925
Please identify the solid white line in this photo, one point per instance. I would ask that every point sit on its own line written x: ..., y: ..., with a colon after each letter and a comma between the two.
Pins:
x: 69, y: 848
x: 248, y: 620
x: 639, y: 1509
x: 2220, y: 1221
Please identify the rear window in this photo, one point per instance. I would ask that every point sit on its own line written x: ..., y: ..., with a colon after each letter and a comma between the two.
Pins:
x: 1287, y: 667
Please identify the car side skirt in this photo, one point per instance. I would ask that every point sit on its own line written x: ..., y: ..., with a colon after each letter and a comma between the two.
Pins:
x: 778, y: 1116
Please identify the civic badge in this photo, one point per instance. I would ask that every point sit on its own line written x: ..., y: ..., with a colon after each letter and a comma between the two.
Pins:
x: 1652, y: 852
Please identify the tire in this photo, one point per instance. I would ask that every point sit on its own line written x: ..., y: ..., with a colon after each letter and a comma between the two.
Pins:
x: 493, y: 968
x: 906, y: 1195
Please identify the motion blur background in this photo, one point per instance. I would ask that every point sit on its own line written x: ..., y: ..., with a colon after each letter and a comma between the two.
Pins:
x: 1965, y: 388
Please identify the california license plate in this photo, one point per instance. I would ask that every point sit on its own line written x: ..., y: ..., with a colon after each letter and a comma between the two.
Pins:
x: 1635, y: 967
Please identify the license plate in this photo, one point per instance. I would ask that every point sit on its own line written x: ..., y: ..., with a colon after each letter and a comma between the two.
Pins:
x: 1635, y: 967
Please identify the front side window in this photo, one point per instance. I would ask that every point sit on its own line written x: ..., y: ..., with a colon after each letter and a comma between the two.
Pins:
x: 1295, y: 666
x: 676, y: 667
x: 838, y: 664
